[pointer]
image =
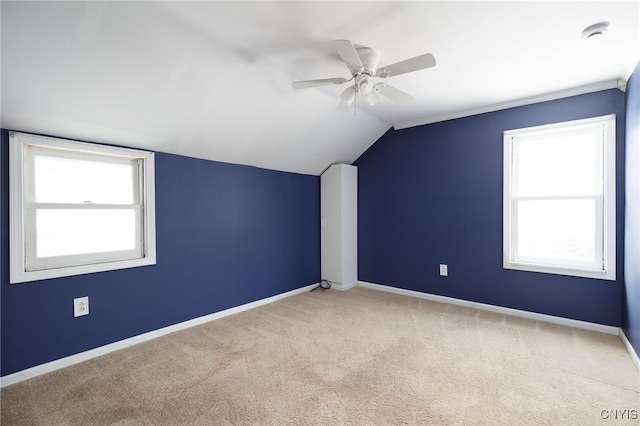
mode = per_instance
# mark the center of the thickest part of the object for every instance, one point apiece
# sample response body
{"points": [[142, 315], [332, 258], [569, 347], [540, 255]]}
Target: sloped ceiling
{"points": [[213, 79]]}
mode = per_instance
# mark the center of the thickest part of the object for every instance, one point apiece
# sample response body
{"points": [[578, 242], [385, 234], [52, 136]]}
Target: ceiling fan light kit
{"points": [[363, 63], [373, 97]]}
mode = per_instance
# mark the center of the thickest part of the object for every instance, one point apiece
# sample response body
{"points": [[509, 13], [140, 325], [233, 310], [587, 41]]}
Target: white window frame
{"points": [[24, 266], [606, 269]]}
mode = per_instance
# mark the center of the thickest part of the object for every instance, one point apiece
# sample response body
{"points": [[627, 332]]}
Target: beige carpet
{"points": [[359, 357]]}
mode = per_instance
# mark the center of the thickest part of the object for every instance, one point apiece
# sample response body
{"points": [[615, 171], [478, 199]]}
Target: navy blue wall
{"points": [[631, 301], [433, 194], [226, 235]]}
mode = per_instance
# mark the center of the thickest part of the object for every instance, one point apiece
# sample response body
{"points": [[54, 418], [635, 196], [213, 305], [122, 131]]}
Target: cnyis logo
{"points": [[617, 414]]}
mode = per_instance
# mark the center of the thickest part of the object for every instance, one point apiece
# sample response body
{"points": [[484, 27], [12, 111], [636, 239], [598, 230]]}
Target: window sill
{"points": [[609, 275], [20, 276]]}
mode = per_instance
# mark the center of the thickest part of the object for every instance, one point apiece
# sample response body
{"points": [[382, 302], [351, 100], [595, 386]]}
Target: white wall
{"points": [[339, 225]]}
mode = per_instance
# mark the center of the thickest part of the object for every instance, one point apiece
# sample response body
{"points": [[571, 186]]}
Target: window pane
{"points": [[69, 180], [68, 232], [558, 164], [556, 229]]}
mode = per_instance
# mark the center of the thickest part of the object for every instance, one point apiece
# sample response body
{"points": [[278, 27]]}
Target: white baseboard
{"points": [[497, 309], [632, 352], [87, 355], [102, 350], [343, 286]]}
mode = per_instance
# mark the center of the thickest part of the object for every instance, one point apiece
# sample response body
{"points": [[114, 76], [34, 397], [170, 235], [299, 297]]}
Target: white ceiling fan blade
{"points": [[409, 65], [348, 54], [315, 83], [394, 94]]}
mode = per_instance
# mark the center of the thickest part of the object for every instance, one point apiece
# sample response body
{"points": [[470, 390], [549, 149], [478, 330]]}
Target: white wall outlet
{"points": [[444, 270], [81, 306]]}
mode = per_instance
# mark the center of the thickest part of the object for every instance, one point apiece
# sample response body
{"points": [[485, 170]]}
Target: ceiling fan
{"points": [[362, 62]]}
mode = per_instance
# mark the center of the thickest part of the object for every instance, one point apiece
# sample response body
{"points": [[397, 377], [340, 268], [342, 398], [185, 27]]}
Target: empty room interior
{"points": [[339, 213]]}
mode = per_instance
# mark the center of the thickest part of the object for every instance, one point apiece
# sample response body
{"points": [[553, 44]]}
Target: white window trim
{"points": [[17, 207], [608, 272]]}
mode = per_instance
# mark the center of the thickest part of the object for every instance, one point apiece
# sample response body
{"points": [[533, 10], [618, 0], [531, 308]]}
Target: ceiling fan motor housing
{"points": [[369, 58]]}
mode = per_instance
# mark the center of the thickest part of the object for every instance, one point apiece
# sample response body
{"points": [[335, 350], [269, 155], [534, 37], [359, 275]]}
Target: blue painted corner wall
{"points": [[433, 194], [229, 235], [226, 235], [631, 295]]}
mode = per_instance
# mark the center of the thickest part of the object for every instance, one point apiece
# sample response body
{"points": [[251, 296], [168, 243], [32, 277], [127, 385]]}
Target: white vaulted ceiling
{"points": [[213, 79]]}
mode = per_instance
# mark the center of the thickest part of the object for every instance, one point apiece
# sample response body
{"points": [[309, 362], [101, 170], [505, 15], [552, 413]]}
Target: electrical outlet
{"points": [[81, 306], [444, 270]]}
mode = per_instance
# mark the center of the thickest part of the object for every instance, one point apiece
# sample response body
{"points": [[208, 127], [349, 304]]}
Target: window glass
{"points": [[72, 180], [63, 232], [556, 229], [558, 164]]}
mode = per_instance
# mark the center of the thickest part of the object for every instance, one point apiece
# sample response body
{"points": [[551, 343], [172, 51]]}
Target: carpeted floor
{"points": [[359, 357]]}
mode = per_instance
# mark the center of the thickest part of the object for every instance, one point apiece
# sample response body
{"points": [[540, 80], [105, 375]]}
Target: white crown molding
{"points": [[622, 84], [48, 367], [581, 90]]}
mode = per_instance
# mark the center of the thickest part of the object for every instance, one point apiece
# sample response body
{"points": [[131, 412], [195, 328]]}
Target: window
{"points": [[78, 208], [559, 198]]}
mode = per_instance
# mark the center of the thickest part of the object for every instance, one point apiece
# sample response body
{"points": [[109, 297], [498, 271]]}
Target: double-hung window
{"points": [[78, 208], [559, 198]]}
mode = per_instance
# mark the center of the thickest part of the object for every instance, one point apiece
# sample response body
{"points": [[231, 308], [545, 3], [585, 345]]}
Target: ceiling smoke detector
{"points": [[595, 31]]}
